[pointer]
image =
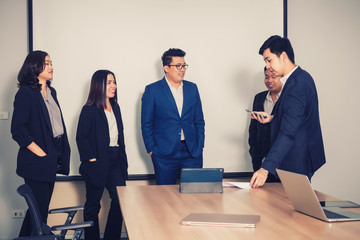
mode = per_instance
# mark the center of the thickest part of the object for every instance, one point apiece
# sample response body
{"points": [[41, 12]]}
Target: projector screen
{"points": [[221, 39]]}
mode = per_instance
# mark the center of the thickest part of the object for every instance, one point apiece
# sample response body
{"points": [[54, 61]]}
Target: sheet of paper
{"points": [[242, 185]]}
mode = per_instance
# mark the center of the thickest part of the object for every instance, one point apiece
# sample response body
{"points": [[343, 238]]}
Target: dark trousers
{"points": [[42, 192], [167, 169], [92, 205]]}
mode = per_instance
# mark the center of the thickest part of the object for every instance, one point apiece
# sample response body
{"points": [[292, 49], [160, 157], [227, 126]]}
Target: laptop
{"points": [[220, 220], [304, 200], [201, 180]]}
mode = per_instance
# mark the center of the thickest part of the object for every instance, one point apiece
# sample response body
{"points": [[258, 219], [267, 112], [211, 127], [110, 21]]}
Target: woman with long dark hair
{"points": [[100, 141], [38, 127]]}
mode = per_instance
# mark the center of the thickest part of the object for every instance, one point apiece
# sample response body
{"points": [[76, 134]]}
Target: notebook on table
{"points": [[201, 180], [220, 220], [304, 199]]}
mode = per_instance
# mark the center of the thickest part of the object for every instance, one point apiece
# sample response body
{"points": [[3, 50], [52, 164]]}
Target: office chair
{"points": [[41, 231]]}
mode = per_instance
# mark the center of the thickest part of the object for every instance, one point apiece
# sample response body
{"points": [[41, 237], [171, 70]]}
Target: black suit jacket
{"points": [[259, 134], [93, 141], [31, 123]]}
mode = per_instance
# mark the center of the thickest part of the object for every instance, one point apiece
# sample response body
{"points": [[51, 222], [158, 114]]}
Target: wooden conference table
{"points": [[155, 212]]}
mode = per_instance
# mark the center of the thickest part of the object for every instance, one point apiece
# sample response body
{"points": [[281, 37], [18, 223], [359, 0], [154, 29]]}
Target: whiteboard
{"points": [[221, 39]]}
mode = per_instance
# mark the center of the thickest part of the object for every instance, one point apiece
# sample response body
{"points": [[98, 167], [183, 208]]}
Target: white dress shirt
{"points": [[113, 130], [179, 100]]}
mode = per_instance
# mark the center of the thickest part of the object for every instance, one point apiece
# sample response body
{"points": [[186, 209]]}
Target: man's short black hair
{"points": [[278, 45], [169, 54]]}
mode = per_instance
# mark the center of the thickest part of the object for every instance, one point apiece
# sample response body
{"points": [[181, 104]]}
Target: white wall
{"points": [[221, 39], [326, 38], [13, 50]]}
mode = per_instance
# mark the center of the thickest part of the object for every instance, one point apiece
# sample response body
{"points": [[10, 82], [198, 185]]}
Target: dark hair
{"points": [[97, 93], [278, 45], [169, 54], [31, 69]]}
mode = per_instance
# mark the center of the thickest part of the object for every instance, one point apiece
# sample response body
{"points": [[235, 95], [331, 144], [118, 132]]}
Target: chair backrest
{"points": [[25, 191]]}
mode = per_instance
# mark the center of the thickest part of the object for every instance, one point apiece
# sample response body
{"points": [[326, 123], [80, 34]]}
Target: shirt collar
{"points": [[48, 91], [285, 78], [171, 86], [269, 98]]}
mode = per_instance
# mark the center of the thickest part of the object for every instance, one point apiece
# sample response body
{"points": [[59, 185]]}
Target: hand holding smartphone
{"points": [[255, 113]]}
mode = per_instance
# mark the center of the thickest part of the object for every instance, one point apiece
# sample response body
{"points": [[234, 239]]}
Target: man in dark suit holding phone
{"points": [[259, 134], [296, 139]]}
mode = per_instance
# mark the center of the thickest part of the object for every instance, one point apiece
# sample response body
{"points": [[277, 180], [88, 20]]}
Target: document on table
{"points": [[242, 185]]}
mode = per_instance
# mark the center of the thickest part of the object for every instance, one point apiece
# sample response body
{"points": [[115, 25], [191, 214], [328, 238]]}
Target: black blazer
{"points": [[93, 141], [259, 134], [259, 137], [31, 123]]}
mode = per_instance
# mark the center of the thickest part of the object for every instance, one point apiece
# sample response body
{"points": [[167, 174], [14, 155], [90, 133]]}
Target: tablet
{"points": [[219, 219]]}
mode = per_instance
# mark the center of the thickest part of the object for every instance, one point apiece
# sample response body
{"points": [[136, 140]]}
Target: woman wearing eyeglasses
{"points": [[38, 127], [100, 141]]}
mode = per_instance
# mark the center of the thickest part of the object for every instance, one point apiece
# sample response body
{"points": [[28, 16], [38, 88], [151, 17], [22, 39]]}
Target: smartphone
{"points": [[255, 113]]}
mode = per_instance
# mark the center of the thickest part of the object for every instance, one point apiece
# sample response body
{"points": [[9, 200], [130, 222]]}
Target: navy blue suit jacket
{"points": [[161, 123], [31, 123], [93, 141], [296, 138], [259, 134]]}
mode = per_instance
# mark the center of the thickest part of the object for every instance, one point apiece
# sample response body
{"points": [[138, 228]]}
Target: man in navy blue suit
{"points": [[172, 120], [296, 139]]}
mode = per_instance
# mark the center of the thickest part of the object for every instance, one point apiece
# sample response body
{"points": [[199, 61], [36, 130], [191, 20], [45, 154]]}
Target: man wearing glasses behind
{"points": [[172, 121], [259, 134]]}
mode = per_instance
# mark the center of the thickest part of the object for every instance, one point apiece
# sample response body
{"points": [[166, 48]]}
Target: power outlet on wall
{"points": [[4, 115], [18, 213]]}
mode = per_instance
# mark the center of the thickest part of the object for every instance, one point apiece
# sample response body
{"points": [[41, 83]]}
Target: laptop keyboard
{"points": [[330, 214]]}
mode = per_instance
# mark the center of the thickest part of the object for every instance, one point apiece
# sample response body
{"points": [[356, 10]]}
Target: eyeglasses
{"points": [[179, 66]]}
